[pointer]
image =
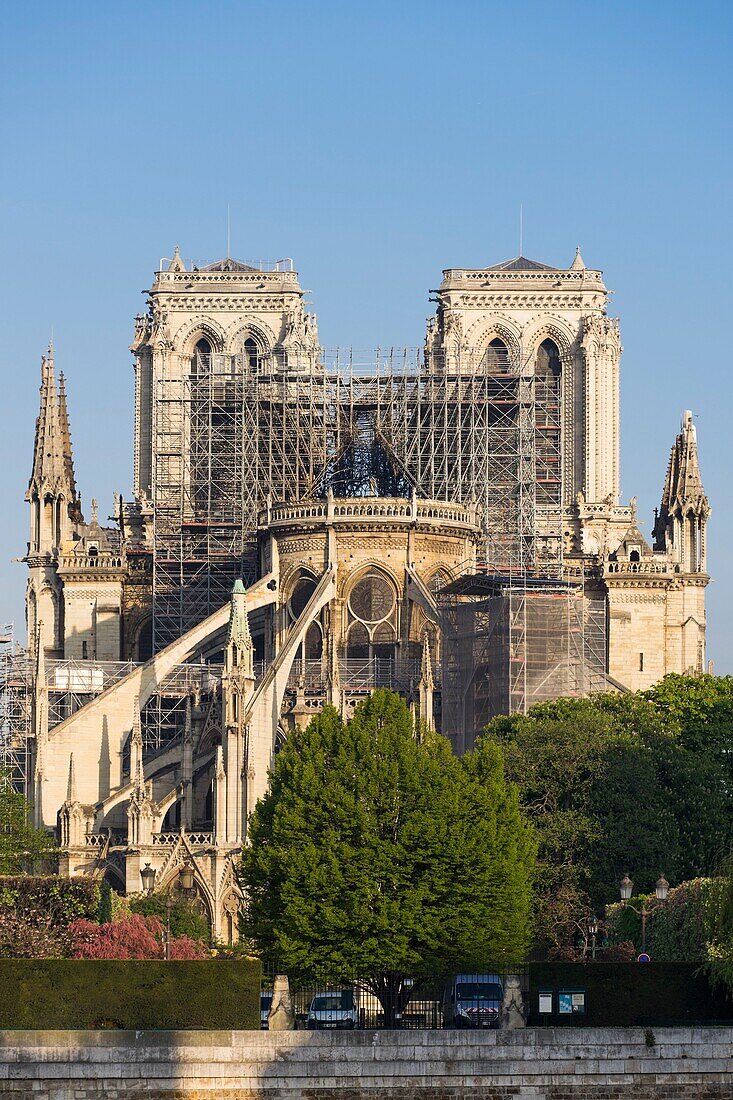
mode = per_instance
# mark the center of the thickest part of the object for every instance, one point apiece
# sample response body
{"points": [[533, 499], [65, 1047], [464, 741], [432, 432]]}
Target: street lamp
{"points": [[147, 876], [186, 877], [593, 929], [626, 888]]}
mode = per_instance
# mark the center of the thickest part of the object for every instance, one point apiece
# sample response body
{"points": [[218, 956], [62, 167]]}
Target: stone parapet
{"points": [[545, 1064]]}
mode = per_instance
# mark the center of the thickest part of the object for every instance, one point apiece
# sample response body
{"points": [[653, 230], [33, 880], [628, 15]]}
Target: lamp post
{"points": [[147, 877], [168, 907], [593, 929], [626, 887]]}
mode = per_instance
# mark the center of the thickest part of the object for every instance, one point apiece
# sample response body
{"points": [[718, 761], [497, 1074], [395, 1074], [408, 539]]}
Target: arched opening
{"points": [[201, 357], [497, 357], [357, 643], [35, 521], [383, 642], [251, 355], [548, 364], [634, 556], [303, 589], [32, 614], [313, 645], [548, 449], [47, 535], [58, 533]]}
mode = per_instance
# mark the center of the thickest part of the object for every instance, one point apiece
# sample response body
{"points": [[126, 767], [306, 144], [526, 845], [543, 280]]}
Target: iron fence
{"points": [[467, 1000]]}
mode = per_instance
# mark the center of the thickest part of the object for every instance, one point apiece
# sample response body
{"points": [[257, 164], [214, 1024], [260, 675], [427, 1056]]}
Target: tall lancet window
{"points": [[251, 355], [548, 373], [202, 357]]}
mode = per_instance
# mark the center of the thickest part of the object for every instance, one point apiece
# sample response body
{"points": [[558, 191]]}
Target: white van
{"points": [[473, 1000], [332, 1010]]}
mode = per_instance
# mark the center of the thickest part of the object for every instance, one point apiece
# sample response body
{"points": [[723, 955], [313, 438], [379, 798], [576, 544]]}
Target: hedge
{"points": [[71, 993], [679, 928], [60, 899], [633, 994]]}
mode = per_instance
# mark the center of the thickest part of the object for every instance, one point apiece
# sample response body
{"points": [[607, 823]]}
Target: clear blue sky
{"points": [[376, 144]]}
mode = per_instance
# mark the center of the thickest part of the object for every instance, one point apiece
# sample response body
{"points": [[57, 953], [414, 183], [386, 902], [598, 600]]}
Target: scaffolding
{"points": [[15, 710], [471, 426], [510, 642]]}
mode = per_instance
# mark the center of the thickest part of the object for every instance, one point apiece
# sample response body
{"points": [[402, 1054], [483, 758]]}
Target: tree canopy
{"points": [[622, 783], [376, 852], [21, 846]]}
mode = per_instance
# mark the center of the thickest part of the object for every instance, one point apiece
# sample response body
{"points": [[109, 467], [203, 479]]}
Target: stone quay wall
{"points": [[537, 1063]]}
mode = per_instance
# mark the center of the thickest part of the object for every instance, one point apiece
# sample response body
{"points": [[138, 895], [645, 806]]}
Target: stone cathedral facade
{"points": [[302, 526]]}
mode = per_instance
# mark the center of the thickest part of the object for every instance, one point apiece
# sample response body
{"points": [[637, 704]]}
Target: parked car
{"points": [[265, 1003], [473, 1000], [332, 1010]]}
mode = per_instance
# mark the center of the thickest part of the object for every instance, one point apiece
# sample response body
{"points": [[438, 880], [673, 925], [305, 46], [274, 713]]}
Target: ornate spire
{"points": [[137, 776], [683, 488], [65, 433], [578, 263], [53, 464], [71, 784], [239, 633], [426, 665]]}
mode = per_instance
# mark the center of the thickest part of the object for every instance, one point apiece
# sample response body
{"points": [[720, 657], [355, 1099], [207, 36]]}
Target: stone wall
{"points": [[541, 1064]]}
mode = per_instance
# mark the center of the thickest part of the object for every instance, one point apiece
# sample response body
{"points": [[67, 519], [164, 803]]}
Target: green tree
{"points": [[376, 853], [698, 712], [21, 846], [588, 774]]}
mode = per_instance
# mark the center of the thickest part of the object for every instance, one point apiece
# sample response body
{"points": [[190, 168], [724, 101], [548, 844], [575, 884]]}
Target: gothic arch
{"points": [[256, 330], [371, 565], [483, 331], [199, 328], [548, 328]]}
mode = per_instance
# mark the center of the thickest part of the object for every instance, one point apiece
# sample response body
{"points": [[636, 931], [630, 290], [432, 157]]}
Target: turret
{"points": [[52, 492], [680, 527]]}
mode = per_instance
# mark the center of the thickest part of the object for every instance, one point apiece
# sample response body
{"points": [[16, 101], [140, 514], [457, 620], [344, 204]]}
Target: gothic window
{"points": [[314, 643], [357, 644], [372, 610], [251, 355], [438, 581], [32, 614], [304, 588], [372, 599], [547, 424], [547, 365], [497, 357], [202, 357]]}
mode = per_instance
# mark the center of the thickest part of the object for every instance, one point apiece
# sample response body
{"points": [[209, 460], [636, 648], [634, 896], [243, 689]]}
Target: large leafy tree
{"points": [[698, 712], [587, 776], [639, 783], [21, 846], [378, 854]]}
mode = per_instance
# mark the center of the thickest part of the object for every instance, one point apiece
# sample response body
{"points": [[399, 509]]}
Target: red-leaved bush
{"points": [[134, 937]]}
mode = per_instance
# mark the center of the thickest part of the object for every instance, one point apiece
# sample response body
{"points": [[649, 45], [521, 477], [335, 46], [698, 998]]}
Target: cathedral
{"points": [[306, 525]]}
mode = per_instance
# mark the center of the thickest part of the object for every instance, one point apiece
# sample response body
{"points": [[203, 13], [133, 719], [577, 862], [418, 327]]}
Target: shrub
{"points": [[133, 937], [49, 897], [31, 936]]}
